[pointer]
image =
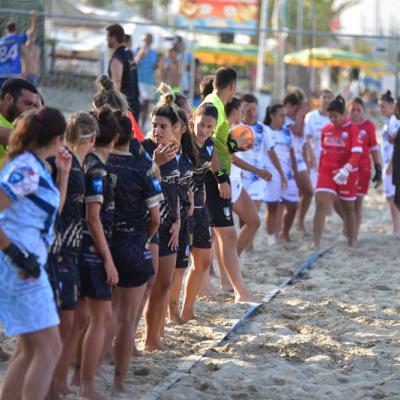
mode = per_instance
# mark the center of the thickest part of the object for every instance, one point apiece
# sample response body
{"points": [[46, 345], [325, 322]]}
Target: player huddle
{"points": [[109, 231]]}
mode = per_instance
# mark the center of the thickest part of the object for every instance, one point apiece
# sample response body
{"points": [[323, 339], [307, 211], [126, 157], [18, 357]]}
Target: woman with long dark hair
{"points": [[27, 306]]}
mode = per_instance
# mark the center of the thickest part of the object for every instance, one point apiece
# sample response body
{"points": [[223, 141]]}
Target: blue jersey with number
{"points": [[10, 55]]}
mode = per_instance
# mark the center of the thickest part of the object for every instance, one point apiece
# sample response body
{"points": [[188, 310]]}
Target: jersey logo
{"points": [[15, 177], [97, 185], [210, 150], [362, 133], [334, 141], [156, 185], [345, 135]]}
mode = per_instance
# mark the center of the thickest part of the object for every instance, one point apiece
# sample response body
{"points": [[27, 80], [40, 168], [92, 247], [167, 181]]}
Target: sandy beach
{"points": [[333, 334]]}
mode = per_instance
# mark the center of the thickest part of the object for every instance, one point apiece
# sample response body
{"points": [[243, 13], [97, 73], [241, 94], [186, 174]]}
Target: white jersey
{"points": [[389, 130], [313, 123], [282, 143], [298, 144]]}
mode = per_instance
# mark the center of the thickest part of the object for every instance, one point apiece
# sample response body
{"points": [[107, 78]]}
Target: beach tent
{"points": [[229, 54]]}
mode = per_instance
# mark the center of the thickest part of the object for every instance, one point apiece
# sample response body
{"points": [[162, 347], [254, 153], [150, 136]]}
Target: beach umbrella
{"points": [[229, 54], [320, 57]]}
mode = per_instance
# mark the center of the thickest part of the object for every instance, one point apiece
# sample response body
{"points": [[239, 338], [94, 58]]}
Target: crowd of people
{"points": [[101, 226]]}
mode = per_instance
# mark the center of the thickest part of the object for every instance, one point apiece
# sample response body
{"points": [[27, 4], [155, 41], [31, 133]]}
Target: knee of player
{"points": [[50, 347]]}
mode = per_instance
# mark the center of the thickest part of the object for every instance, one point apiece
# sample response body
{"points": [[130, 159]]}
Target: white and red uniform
{"points": [[340, 145], [368, 136]]}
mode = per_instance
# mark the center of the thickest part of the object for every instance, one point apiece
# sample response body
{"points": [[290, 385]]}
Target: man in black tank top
{"points": [[122, 68]]}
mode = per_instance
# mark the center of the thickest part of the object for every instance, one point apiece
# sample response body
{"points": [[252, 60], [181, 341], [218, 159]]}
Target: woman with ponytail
{"points": [[281, 191], [342, 149], [27, 306], [80, 136], [165, 122], [98, 272]]}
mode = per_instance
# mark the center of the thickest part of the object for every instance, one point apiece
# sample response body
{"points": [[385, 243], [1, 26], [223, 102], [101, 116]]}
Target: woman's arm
{"points": [[175, 227], [277, 164], [262, 173], [63, 163], [154, 221], [99, 239]]}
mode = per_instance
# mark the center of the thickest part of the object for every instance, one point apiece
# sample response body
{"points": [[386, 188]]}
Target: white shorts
{"points": [[301, 164], [236, 187], [275, 193], [388, 186], [314, 177], [147, 92], [255, 187]]}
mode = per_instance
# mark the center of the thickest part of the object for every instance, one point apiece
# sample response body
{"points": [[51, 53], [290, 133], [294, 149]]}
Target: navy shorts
{"points": [[132, 259], [219, 210], [93, 274], [165, 235], [52, 272], [200, 235], [182, 257], [69, 279]]}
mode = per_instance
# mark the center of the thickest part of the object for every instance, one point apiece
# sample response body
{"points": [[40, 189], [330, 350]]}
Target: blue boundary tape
{"points": [[190, 362]]}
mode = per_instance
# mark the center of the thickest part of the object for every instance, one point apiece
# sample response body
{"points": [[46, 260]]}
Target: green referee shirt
{"points": [[5, 124], [221, 132]]}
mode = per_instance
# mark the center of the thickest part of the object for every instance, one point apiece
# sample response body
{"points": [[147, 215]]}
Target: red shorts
{"points": [[364, 176], [325, 183]]}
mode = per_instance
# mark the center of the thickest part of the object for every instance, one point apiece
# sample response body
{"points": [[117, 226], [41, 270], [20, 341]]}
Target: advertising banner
{"points": [[224, 15]]}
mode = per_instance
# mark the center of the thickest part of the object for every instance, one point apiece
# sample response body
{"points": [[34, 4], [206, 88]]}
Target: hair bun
{"points": [[103, 82], [164, 88], [104, 114]]}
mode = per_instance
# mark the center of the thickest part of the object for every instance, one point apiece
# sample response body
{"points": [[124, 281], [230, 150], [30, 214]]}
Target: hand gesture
{"points": [[63, 160], [163, 154]]}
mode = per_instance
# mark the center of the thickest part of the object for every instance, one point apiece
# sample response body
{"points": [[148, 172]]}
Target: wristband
{"points": [[26, 261], [221, 176], [232, 145]]}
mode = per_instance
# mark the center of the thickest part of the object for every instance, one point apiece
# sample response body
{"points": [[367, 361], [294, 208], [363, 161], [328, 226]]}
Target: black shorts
{"points": [[132, 259], [93, 274], [182, 257], [219, 210], [69, 278], [200, 235], [165, 235], [52, 273]]}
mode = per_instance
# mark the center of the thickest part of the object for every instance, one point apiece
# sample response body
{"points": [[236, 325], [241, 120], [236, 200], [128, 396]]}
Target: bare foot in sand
{"points": [[175, 319], [91, 394], [188, 316], [135, 352], [156, 346], [66, 391], [245, 298]]}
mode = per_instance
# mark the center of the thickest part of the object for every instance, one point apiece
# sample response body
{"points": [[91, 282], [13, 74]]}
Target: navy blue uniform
{"points": [[134, 194], [64, 255], [98, 190], [168, 207], [200, 236], [184, 184]]}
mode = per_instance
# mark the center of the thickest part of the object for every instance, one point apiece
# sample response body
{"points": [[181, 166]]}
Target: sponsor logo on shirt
{"points": [[97, 185], [345, 135]]}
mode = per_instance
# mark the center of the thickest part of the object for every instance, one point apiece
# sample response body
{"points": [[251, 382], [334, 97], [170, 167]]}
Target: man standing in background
{"points": [[123, 69], [10, 49], [147, 60]]}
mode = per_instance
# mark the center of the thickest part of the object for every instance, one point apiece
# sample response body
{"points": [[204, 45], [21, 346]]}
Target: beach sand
{"points": [[334, 334]]}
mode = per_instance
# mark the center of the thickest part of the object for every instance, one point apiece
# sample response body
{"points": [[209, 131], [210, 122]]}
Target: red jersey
{"points": [[368, 136], [340, 145]]}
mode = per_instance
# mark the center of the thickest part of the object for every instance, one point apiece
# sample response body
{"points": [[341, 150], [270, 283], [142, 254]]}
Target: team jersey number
{"points": [[8, 53]]}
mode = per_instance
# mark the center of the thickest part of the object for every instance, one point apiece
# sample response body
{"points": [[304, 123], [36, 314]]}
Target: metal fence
{"points": [[74, 52]]}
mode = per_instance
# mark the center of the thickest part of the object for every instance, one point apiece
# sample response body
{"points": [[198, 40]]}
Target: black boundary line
{"points": [[190, 362]]}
